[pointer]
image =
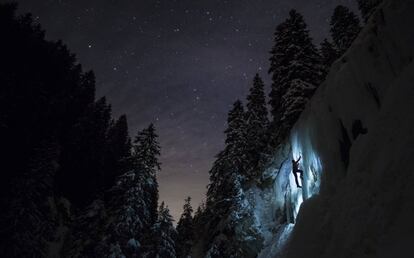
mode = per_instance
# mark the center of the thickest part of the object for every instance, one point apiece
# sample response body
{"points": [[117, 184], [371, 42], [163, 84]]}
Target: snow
{"points": [[361, 204], [356, 199], [276, 247], [115, 251], [61, 229], [133, 244]]}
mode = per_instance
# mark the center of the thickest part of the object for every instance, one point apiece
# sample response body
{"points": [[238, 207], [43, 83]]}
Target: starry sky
{"points": [[178, 63]]}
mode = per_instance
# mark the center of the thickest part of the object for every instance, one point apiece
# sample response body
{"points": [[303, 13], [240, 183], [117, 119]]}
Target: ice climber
{"points": [[295, 170]]}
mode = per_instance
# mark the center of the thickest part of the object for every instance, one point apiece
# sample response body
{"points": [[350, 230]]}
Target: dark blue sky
{"points": [[179, 64]]}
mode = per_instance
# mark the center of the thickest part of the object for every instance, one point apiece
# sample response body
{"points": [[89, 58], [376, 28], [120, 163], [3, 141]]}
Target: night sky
{"points": [[178, 63]]}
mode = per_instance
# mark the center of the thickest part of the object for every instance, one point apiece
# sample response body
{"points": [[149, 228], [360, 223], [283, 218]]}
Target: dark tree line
{"points": [[66, 162], [127, 221], [46, 99], [54, 134]]}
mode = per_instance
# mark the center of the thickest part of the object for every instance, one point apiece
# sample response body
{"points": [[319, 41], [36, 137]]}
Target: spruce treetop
{"points": [[188, 209], [256, 127], [164, 214], [185, 230], [345, 27], [256, 102], [147, 149], [186, 216], [234, 153], [164, 234], [293, 57], [236, 125]]}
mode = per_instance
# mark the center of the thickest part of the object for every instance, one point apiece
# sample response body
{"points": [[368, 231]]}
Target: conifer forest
{"points": [[206, 129]]}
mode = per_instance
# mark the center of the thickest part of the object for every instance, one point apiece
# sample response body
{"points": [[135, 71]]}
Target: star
{"points": [[179, 64]]}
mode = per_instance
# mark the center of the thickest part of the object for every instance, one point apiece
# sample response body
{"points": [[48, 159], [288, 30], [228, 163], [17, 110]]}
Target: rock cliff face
{"points": [[355, 140]]}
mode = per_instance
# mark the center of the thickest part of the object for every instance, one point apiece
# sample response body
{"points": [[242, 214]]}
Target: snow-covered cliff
{"points": [[357, 133], [355, 140]]}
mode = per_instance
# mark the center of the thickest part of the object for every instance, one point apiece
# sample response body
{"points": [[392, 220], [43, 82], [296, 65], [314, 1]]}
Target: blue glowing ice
{"points": [[311, 165]]}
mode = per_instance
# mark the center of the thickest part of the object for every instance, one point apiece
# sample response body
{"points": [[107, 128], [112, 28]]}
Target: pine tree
{"points": [[220, 238], [235, 149], [54, 141], [223, 247], [185, 231], [329, 55], [345, 27], [293, 58], [200, 220], [218, 250], [134, 200], [31, 218], [86, 93], [146, 151], [223, 193], [216, 195], [88, 232], [164, 235], [85, 154], [256, 126], [130, 217], [367, 7], [118, 156], [294, 101], [115, 251], [232, 160]]}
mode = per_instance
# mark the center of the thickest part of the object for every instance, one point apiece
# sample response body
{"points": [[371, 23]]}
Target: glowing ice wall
{"points": [[311, 165], [275, 208]]}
